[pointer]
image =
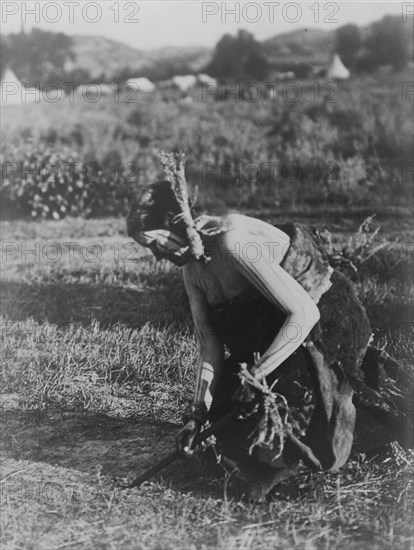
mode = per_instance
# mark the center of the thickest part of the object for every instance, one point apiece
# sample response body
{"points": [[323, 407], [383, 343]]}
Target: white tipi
{"points": [[10, 77], [337, 70], [10, 88], [13, 92]]}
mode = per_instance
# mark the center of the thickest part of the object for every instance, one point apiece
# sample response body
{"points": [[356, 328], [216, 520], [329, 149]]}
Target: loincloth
{"points": [[315, 380]]}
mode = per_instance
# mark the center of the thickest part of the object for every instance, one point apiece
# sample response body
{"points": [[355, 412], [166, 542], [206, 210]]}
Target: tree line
{"points": [[386, 43], [39, 56]]}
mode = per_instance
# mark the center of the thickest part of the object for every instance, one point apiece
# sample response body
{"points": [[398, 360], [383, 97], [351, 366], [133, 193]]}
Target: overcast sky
{"points": [[152, 24]]}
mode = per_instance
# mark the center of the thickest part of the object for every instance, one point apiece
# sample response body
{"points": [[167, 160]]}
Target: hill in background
{"points": [[41, 57], [302, 46], [103, 57]]}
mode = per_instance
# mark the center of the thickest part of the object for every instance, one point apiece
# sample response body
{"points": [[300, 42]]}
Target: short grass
{"points": [[98, 363]]}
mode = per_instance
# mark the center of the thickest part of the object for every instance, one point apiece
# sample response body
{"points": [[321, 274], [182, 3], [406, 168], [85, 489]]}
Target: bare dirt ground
{"points": [[85, 441]]}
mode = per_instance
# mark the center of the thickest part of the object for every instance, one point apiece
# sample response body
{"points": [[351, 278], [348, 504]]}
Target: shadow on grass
{"points": [[63, 303], [95, 443], [85, 441], [392, 316]]}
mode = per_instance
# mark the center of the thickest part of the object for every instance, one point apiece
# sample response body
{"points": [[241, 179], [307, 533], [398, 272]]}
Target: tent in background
{"points": [[337, 70], [13, 92], [185, 82], [140, 84]]}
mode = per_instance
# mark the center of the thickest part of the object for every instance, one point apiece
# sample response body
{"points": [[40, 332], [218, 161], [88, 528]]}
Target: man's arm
{"points": [[285, 292], [211, 351]]}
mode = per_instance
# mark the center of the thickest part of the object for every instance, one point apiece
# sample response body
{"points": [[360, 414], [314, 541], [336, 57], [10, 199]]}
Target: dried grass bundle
{"points": [[173, 165]]}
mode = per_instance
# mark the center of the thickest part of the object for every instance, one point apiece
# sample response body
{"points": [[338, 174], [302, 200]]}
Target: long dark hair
{"points": [[155, 208]]}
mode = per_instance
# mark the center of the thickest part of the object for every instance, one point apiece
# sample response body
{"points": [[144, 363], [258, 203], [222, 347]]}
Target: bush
{"points": [[47, 183], [43, 183]]}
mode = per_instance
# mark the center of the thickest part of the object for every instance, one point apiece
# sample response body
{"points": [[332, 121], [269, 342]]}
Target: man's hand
{"points": [[195, 415], [186, 435], [245, 399]]}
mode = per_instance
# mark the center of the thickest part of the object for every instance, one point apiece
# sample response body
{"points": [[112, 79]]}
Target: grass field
{"points": [[98, 363], [312, 144]]}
